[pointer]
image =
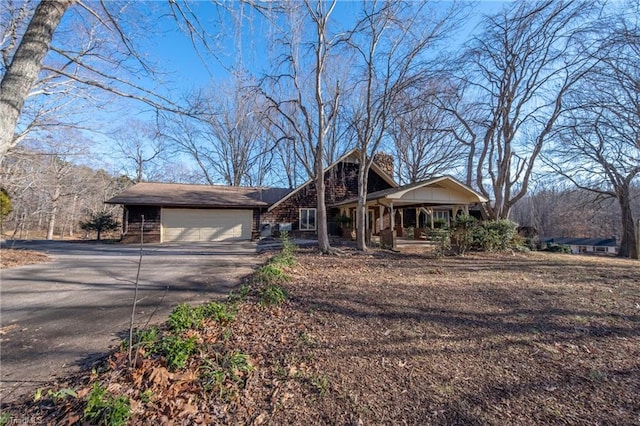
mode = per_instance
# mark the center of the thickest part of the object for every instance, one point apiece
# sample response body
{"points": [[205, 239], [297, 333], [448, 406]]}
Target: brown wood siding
{"points": [[341, 184], [133, 218]]}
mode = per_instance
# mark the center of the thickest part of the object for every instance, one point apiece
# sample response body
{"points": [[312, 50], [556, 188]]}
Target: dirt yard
{"points": [[406, 338]]}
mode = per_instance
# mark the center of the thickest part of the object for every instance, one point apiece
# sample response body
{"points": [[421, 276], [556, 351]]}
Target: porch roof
{"points": [[443, 190]]}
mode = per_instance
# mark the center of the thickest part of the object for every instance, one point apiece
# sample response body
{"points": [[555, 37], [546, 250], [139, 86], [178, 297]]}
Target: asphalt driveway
{"points": [[59, 316]]}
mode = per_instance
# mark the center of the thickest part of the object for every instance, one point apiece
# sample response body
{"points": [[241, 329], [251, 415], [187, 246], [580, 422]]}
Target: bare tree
{"points": [[236, 142], [93, 51], [557, 209], [599, 146], [599, 149], [425, 138], [301, 95], [50, 190], [391, 41], [519, 71], [21, 71], [140, 150]]}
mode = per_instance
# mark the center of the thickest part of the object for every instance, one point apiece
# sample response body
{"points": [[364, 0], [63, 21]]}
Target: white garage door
{"points": [[206, 225]]}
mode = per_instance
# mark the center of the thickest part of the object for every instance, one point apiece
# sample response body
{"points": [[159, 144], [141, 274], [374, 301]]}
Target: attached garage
{"points": [[206, 224], [168, 212]]}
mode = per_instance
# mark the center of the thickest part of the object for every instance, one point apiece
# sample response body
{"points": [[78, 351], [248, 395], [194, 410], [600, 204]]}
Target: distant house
{"points": [[586, 245], [178, 212]]}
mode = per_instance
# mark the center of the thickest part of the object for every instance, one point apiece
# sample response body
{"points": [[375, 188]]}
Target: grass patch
{"points": [[273, 295], [177, 350], [225, 375], [185, 317], [271, 274]]}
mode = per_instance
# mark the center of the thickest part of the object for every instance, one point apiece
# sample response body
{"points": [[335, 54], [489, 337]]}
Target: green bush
{"points": [[495, 235], [218, 312], [288, 247], [442, 237], [105, 409], [185, 317], [463, 231], [439, 223], [226, 374], [147, 339], [558, 248], [100, 222]]}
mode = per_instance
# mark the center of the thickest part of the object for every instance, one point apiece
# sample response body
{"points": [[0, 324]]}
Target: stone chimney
{"points": [[384, 161]]}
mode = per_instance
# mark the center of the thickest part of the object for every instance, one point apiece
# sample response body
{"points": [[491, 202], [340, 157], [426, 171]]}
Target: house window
{"points": [[441, 215], [601, 249], [307, 219]]}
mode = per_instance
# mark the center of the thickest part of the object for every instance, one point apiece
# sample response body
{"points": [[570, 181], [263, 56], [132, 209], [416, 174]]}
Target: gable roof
{"points": [[377, 169], [404, 194], [187, 195]]}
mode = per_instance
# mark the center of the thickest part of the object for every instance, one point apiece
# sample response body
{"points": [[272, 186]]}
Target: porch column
{"points": [[401, 218], [381, 211], [465, 208], [417, 217], [431, 216], [392, 221]]}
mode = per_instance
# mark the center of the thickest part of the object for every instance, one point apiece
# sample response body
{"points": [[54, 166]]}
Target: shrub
{"points": [[185, 317], [5, 205], [288, 246], [99, 222], [442, 237], [218, 312], [558, 248], [105, 409], [464, 228], [147, 339], [495, 235], [439, 223]]}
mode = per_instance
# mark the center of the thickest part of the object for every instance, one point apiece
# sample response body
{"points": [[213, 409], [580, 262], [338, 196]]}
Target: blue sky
{"points": [[184, 69], [174, 53]]}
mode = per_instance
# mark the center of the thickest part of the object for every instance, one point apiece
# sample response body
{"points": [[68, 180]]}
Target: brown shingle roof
{"points": [[171, 194]]}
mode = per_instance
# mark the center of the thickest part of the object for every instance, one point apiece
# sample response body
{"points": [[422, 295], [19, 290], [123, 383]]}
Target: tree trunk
{"points": [[54, 212], [52, 222], [361, 210], [321, 215], [23, 71], [628, 246]]}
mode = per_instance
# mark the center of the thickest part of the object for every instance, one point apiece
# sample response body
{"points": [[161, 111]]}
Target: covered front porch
{"points": [[419, 206]]}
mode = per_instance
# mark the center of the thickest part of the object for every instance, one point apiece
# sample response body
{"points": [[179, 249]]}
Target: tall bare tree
{"points": [[391, 41], [302, 94], [23, 62], [92, 50], [599, 147], [425, 137], [140, 150], [519, 71], [236, 142]]}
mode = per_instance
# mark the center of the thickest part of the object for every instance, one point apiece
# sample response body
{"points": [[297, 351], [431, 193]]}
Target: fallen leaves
{"points": [[406, 338], [11, 258]]}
